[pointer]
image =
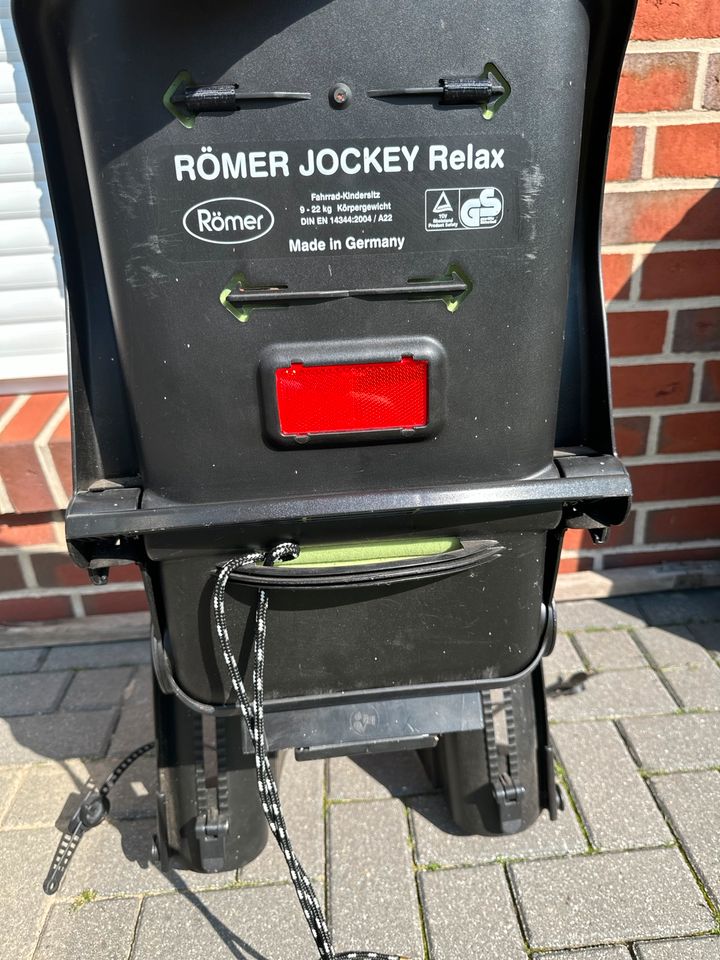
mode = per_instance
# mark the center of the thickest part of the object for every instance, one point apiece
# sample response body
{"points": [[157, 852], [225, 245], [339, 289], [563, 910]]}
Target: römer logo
{"points": [[228, 220]]}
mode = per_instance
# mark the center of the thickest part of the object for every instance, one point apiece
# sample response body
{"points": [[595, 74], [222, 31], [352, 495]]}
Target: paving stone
{"points": [[21, 920], [626, 693], [27, 693], [58, 736], [301, 794], [696, 685], [590, 953], [707, 634], [46, 793], [21, 661], [699, 948], [10, 778], [609, 650], [680, 606], [140, 689], [599, 614], [675, 743], [457, 928], [609, 897], [135, 727], [50, 792], [114, 859], [614, 802], [692, 801], [251, 923], [377, 777], [563, 661], [25, 858], [104, 928], [93, 689], [79, 656], [439, 841], [373, 902], [671, 648]]}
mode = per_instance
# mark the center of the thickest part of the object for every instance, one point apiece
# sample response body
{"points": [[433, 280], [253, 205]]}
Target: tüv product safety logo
{"points": [[228, 220]]}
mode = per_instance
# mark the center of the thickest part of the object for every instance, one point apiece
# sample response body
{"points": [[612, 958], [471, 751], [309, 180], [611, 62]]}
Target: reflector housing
{"points": [[352, 397]]}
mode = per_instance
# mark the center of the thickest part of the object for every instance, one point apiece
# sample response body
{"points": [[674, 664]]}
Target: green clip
{"points": [[451, 300], [183, 79], [242, 312], [492, 72]]}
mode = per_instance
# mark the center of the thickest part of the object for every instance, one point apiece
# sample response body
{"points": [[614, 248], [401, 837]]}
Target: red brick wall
{"points": [[661, 260], [662, 280], [38, 581]]}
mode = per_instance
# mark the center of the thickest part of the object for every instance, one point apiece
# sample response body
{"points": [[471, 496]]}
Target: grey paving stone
{"points": [[699, 948], [301, 794], [625, 693], [134, 728], [589, 953], [50, 792], [457, 928], [57, 736], [114, 859], [614, 801], [103, 929], [609, 650], [377, 777], [22, 694], [93, 689], [707, 634], [140, 689], [609, 897], [251, 923], [680, 606], [599, 614], [21, 920], [82, 655], [696, 685], [675, 743], [671, 648], [25, 857], [10, 778], [372, 898], [21, 661], [46, 792], [439, 841], [692, 801], [563, 661]]}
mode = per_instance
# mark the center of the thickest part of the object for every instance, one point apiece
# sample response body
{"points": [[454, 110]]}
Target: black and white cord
{"points": [[254, 716]]}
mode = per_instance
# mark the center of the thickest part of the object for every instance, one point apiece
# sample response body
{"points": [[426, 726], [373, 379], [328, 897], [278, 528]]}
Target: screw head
{"points": [[340, 96]]}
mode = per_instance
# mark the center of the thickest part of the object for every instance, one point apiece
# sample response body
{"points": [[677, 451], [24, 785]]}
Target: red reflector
{"points": [[350, 397]]}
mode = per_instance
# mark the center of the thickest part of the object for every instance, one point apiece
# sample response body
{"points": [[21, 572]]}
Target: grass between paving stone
{"points": [[648, 774], [515, 901], [85, 896], [416, 871], [562, 775]]}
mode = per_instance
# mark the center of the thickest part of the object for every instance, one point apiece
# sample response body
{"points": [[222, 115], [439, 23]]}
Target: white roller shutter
{"points": [[32, 311]]}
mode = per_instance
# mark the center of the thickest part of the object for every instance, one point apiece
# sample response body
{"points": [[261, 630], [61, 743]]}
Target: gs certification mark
{"points": [[463, 208]]}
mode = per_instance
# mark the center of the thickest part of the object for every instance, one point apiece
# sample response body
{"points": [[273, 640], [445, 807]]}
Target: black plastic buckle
{"points": [[211, 832], [507, 794]]}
